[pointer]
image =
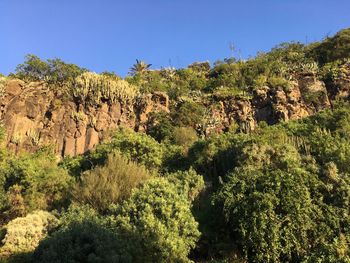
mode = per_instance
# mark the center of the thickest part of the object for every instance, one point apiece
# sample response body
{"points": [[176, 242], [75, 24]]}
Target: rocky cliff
{"points": [[34, 115]]}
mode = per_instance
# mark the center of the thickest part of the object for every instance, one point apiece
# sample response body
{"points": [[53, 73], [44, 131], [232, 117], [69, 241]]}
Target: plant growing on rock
{"points": [[52, 71], [3, 81], [92, 88]]}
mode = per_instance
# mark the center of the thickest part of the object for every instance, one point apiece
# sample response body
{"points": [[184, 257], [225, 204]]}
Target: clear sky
{"points": [[109, 35]]}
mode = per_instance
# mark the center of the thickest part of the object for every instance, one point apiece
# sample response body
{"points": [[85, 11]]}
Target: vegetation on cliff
{"points": [[275, 193]]}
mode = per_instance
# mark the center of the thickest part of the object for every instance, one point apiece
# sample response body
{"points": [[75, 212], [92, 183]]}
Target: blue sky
{"points": [[109, 35]]}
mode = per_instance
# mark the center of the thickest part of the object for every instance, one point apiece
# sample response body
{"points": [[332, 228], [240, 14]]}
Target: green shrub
{"points": [[222, 93], [188, 114], [108, 184], [273, 199], [337, 251], [277, 82], [184, 136], [160, 126], [189, 183], [43, 184], [84, 236], [332, 48], [24, 233], [137, 147], [160, 221]]}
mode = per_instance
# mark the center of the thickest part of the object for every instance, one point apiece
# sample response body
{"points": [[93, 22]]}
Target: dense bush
{"points": [[184, 136], [83, 237], [24, 233], [189, 183], [332, 48], [108, 184], [154, 225], [160, 126], [188, 114], [42, 184], [272, 207], [137, 147], [160, 220]]}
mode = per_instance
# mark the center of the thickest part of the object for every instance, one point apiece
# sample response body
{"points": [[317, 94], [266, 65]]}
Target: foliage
{"points": [[184, 136], [2, 132], [24, 233], [272, 205], [278, 82], [222, 93], [160, 126], [137, 147], [153, 225], [83, 237], [54, 71], [43, 185], [161, 221], [332, 48], [139, 68], [189, 183], [108, 184], [188, 114]]}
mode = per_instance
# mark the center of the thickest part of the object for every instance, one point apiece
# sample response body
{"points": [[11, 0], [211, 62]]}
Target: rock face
{"points": [[34, 115], [303, 98]]}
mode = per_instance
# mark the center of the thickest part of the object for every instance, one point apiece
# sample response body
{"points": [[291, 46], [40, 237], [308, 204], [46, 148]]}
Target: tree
{"points": [[33, 69], [159, 220], [53, 71], [139, 68], [276, 207]]}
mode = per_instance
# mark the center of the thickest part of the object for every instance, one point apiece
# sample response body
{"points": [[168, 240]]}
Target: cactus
{"points": [[3, 81], [91, 88], [311, 67], [34, 137]]}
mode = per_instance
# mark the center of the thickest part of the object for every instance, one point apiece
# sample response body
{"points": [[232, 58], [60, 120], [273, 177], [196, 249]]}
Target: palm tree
{"points": [[140, 67]]}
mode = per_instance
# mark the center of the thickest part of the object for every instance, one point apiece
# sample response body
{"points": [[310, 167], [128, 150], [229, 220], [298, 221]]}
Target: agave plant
{"points": [[311, 67], [140, 67]]}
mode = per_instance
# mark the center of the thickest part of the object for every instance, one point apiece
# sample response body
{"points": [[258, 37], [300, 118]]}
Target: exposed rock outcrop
{"points": [[34, 115], [303, 98]]}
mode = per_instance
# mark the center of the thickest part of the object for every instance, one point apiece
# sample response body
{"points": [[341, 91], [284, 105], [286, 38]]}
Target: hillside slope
{"points": [[34, 115]]}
